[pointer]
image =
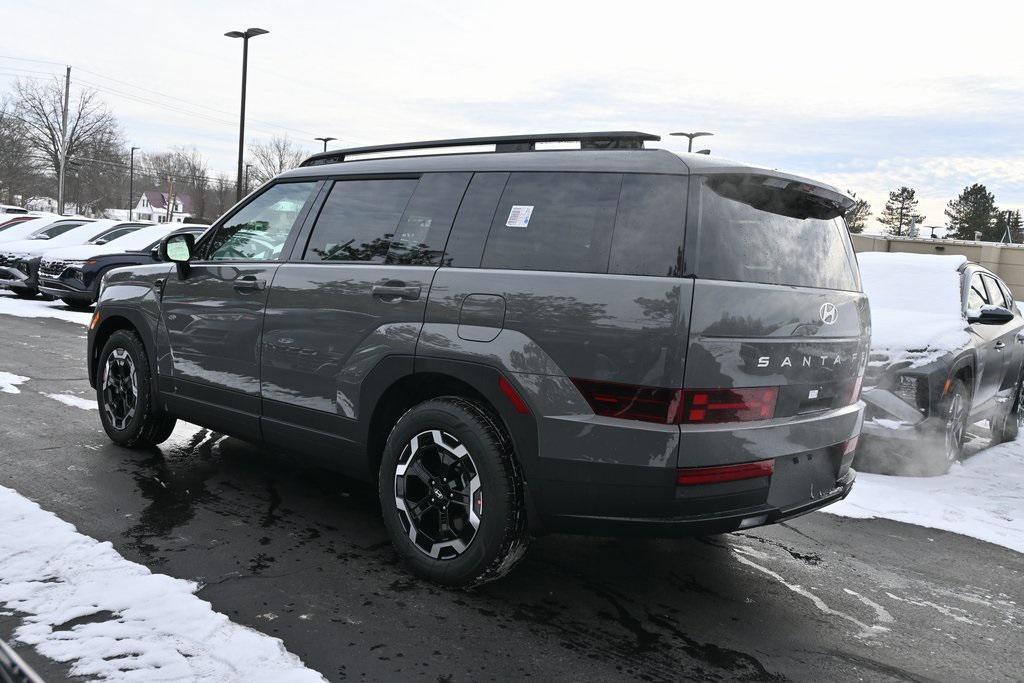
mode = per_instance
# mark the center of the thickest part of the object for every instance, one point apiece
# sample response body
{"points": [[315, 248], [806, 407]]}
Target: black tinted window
{"points": [[649, 226], [554, 221], [466, 243], [755, 229], [423, 230], [359, 219]]}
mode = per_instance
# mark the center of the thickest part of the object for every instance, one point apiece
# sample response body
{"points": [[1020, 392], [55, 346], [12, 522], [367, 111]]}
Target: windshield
{"points": [[141, 238], [758, 229]]}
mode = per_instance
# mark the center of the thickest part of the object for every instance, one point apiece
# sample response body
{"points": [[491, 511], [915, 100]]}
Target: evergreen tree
{"points": [[857, 216], [1009, 223], [974, 211], [900, 216]]}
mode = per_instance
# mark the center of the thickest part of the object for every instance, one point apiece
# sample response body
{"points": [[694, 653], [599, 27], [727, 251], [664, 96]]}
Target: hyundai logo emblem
{"points": [[828, 313]]}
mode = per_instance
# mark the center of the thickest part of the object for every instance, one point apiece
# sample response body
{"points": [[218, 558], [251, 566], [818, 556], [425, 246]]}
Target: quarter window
{"points": [[554, 221], [649, 226], [259, 231]]}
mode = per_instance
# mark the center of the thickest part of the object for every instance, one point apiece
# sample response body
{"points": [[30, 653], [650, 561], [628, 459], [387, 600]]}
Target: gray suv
{"points": [[608, 340]]}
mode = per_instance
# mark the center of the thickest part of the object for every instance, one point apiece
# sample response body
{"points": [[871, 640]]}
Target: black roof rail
{"points": [[504, 143]]}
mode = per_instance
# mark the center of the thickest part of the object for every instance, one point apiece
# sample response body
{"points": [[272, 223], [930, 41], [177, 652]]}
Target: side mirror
{"points": [[178, 250], [990, 315]]}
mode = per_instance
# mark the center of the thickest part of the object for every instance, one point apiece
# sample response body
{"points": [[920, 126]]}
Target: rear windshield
{"points": [[757, 229]]}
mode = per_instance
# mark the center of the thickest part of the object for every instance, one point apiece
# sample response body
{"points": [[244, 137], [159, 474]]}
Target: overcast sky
{"points": [[865, 95]]}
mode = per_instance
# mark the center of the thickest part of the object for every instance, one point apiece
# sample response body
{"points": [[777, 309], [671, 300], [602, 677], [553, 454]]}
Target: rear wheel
{"points": [[451, 494], [125, 397], [1008, 424], [76, 304]]}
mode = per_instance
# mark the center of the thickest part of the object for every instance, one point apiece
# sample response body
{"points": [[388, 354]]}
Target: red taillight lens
{"points": [[851, 445], [692, 476], [704, 406], [855, 394], [678, 406], [630, 402]]}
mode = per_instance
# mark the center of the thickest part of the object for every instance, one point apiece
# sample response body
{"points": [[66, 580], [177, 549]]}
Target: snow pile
{"points": [[9, 382], [915, 305], [130, 624], [983, 497], [74, 401], [37, 308]]}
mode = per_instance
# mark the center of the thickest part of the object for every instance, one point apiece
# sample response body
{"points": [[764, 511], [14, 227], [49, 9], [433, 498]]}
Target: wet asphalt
{"points": [[301, 554]]}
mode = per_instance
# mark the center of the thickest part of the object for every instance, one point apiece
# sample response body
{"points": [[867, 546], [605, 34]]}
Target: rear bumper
{"points": [[701, 524]]}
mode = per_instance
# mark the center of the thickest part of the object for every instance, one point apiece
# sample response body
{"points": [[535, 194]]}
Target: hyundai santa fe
{"points": [[610, 340]]}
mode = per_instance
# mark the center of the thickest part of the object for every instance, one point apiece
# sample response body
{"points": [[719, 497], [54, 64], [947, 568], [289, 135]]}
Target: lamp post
{"points": [[325, 141], [131, 182], [691, 136], [245, 36]]}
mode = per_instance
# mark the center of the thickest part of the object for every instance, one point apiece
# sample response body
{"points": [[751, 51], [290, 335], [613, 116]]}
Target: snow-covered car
{"points": [[19, 260], [10, 209], [17, 229], [947, 344], [73, 274]]}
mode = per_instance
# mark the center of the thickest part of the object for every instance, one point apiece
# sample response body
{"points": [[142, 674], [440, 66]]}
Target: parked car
{"points": [[10, 220], [73, 274], [6, 209], [947, 347], [609, 340], [19, 260], [44, 226]]}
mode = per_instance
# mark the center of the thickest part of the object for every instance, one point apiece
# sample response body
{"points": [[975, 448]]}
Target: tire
{"points": [[448, 459], [954, 409], [1006, 425], [76, 304], [24, 293], [124, 392]]}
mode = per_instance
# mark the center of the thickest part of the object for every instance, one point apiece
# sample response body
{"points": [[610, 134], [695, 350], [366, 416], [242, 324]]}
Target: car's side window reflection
{"points": [[976, 296], [260, 230]]}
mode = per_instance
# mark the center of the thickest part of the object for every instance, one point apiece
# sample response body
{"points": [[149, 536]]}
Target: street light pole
{"points": [[245, 36], [131, 182], [325, 141], [691, 136]]}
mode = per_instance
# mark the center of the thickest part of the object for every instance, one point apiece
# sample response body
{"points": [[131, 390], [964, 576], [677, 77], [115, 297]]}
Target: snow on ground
{"points": [[129, 624], [983, 497], [74, 401], [9, 382], [37, 308]]}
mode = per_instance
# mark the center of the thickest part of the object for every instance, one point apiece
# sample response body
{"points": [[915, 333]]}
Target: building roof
{"points": [[158, 200]]}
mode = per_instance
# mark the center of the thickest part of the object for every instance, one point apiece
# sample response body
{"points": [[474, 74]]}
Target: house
{"points": [[152, 206]]}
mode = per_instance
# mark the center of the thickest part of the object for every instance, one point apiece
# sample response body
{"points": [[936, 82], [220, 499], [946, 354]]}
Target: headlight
{"points": [[913, 389]]}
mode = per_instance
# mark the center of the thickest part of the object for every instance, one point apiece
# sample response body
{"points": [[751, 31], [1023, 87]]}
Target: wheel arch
{"points": [[111, 322]]}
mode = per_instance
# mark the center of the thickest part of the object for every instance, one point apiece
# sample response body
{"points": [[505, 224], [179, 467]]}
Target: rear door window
{"points": [[649, 226], [554, 221], [758, 229], [359, 219]]}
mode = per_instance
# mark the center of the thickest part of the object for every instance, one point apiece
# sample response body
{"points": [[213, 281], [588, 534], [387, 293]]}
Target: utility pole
{"points": [[170, 200], [63, 143], [131, 184]]}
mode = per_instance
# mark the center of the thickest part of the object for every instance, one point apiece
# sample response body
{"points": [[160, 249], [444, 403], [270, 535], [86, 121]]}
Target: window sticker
{"points": [[519, 216]]}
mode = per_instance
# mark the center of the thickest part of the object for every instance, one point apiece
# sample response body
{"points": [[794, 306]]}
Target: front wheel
{"points": [[1007, 425], [76, 304], [955, 409], [451, 493], [125, 397]]}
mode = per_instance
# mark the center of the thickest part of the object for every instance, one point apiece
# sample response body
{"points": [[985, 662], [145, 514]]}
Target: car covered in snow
{"points": [[19, 260], [73, 274], [947, 343]]}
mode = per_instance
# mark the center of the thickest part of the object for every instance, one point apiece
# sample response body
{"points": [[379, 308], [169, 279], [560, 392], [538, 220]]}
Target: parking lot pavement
{"points": [[301, 554]]}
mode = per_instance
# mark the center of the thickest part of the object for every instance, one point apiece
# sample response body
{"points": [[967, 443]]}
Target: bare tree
{"points": [[19, 171], [274, 156], [193, 180], [223, 194], [91, 126]]}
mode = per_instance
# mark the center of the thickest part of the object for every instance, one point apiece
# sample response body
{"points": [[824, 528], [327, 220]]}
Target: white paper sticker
{"points": [[519, 216]]}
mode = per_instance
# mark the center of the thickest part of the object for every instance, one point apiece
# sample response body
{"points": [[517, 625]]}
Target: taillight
{"points": [[728, 405], [850, 445], [678, 406], [692, 476], [855, 394]]}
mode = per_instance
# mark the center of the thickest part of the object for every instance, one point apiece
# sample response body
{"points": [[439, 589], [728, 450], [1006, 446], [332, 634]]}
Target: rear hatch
{"points": [[778, 316]]}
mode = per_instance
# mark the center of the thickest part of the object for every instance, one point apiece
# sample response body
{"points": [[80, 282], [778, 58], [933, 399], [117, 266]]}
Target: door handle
{"points": [[393, 291], [1000, 345], [249, 283]]}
